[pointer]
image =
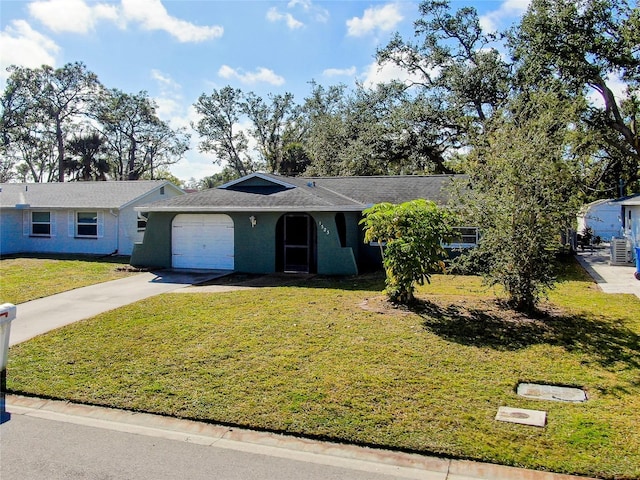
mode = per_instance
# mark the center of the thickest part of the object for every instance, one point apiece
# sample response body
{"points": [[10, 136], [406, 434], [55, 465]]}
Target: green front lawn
{"points": [[332, 360], [28, 278]]}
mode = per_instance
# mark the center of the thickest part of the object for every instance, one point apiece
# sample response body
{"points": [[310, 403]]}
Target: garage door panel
{"points": [[203, 241]]}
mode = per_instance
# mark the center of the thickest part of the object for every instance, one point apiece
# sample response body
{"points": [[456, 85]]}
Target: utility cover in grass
{"points": [[535, 418], [552, 392]]}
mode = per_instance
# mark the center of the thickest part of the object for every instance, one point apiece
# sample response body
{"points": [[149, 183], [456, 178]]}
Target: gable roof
{"points": [[117, 194], [267, 192]]}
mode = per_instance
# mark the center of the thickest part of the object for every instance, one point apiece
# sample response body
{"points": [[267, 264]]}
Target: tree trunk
{"points": [[60, 142]]}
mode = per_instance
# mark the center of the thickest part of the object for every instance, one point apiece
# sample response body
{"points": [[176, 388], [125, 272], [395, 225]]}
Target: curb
{"points": [[405, 465]]}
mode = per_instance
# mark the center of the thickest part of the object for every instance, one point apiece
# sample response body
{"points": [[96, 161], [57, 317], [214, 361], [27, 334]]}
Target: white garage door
{"points": [[202, 241]]}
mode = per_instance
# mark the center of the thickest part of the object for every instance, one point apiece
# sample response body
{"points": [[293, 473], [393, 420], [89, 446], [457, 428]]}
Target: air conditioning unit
{"points": [[620, 252]]}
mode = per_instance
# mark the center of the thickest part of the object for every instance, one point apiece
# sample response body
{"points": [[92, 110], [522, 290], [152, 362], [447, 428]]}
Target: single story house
{"points": [[76, 217], [604, 217], [264, 223], [631, 221]]}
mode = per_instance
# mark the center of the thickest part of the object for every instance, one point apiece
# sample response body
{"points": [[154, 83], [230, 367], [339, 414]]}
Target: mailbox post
{"points": [[7, 315]]}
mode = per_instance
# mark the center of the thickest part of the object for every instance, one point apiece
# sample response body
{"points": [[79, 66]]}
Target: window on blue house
{"points": [[142, 221], [87, 224], [41, 224]]}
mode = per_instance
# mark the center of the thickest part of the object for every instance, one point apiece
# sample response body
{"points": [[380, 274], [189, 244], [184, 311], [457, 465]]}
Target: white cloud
{"points": [[71, 15], [170, 101], [81, 16], [165, 81], [384, 18], [306, 4], [169, 110], [273, 15], [261, 75], [23, 46], [318, 13], [152, 15], [387, 72], [338, 72], [509, 11]]}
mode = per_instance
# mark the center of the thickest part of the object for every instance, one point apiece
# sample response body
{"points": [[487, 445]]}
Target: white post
{"points": [[7, 315]]}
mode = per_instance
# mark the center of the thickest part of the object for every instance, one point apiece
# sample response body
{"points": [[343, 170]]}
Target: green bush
{"points": [[412, 234]]}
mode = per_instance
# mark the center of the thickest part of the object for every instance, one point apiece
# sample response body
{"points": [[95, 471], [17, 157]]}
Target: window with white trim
{"points": [[86, 224], [142, 221], [40, 224], [464, 237]]}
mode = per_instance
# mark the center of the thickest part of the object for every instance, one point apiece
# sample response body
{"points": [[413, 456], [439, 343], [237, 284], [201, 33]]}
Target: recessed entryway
{"points": [[296, 240]]}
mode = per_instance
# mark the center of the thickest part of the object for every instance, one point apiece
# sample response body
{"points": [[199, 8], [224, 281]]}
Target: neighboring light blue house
{"points": [[631, 220], [604, 217], [264, 223], [96, 218]]}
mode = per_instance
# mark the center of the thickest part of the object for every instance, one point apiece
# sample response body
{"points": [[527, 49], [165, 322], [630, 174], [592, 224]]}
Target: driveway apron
{"points": [[40, 316]]}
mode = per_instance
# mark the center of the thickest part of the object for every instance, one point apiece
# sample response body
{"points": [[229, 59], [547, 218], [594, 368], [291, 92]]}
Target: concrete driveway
{"points": [[45, 314], [610, 278]]}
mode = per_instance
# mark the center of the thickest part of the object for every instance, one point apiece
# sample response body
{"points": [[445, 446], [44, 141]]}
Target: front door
{"points": [[296, 242]]}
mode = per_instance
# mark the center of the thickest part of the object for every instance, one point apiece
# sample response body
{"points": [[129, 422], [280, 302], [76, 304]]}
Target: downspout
{"points": [[117, 231]]}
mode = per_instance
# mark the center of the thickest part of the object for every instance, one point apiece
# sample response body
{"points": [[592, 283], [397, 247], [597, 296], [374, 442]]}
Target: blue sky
{"points": [[178, 49]]}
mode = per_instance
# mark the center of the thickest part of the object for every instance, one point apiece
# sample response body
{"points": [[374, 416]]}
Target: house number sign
{"points": [[323, 228]]}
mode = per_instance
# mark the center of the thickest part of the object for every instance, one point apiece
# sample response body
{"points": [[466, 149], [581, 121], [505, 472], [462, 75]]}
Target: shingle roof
{"points": [[629, 201], [75, 194], [393, 189], [312, 194]]}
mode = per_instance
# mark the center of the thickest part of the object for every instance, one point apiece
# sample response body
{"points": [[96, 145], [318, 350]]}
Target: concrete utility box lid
{"points": [[551, 392], [535, 418]]}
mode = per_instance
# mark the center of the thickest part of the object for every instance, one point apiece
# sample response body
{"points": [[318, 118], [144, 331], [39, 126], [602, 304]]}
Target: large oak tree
{"points": [[44, 102]]}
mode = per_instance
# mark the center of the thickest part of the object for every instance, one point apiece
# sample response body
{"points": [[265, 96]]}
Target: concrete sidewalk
{"points": [[610, 278], [45, 314]]}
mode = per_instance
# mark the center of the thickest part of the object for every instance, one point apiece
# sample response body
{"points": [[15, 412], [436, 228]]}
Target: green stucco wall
{"points": [[255, 247], [333, 259], [155, 249]]}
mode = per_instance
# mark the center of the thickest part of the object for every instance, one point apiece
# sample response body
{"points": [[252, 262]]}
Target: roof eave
{"points": [[165, 183], [49, 207], [209, 209], [262, 176]]}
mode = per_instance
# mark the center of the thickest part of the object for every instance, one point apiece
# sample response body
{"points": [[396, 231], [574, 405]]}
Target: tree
{"points": [[137, 139], [218, 126], [162, 173], [460, 79], [369, 131], [520, 192], [87, 160], [47, 103], [161, 147], [275, 127], [588, 45], [6, 166], [412, 233], [31, 150], [217, 179], [324, 138]]}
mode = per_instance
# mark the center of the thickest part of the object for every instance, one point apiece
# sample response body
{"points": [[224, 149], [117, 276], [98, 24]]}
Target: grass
{"points": [[332, 360], [28, 278]]}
